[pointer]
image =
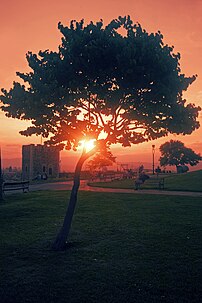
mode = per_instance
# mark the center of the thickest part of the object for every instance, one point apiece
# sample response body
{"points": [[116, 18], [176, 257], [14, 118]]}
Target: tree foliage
{"points": [[100, 161], [100, 84], [175, 153], [114, 83]]}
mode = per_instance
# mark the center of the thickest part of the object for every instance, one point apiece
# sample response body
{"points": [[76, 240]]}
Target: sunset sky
{"points": [[32, 26]]}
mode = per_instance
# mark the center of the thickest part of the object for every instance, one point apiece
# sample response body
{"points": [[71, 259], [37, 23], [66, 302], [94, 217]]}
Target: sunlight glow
{"points": [[88, 144]]}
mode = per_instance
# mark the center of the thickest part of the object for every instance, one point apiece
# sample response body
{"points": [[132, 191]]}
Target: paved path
{"points": [[83, 186]]}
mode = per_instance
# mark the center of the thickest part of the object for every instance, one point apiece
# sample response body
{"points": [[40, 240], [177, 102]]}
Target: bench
{"points": [[158, 182], [8, 186], [103, 177], [112, 177]]}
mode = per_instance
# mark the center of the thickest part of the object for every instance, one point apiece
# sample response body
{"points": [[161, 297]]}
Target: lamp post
{"points": [[1, 180], [153, 152]]}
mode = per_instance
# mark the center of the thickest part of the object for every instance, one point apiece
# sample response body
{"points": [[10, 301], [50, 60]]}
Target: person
{"points": [[140, 179], [158, 171]]}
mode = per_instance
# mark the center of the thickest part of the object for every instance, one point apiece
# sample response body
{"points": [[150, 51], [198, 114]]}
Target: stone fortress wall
{"points": [[40, 161]]}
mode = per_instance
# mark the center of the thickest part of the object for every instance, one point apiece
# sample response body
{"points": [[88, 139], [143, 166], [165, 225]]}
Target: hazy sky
{"points": [[33, 26]]}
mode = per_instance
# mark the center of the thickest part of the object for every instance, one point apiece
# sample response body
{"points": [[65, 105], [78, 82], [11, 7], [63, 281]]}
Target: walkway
{"points": [[84, 186]]}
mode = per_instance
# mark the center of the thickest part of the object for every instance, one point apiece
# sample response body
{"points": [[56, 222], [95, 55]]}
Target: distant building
{"points": [[40, 162]]}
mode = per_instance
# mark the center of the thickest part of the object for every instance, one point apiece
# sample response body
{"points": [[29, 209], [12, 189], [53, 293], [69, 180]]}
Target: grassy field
{"points": [[191, 181], [123, 248]]}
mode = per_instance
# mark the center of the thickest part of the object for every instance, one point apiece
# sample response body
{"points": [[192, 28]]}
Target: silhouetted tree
{"points": [[113, 83], [1, 180], [99, 161], [174, 153]]}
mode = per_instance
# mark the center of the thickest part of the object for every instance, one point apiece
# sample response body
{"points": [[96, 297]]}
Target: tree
{"points": [[114, 83], [175, 153], [1, 180], [100, 161]]}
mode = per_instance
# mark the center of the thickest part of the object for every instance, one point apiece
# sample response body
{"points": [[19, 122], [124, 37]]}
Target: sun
{"points": [[88, 144]]}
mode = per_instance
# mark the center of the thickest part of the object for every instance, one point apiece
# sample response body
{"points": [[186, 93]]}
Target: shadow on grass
{"points": [[123, 248]]}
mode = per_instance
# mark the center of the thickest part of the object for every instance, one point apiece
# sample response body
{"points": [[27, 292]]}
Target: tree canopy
{"points": [[100, 161], [176, 153], [114, 83]]}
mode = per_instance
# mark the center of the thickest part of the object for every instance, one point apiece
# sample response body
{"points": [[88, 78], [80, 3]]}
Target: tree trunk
{"points": [[1, 180], [61, 240]]}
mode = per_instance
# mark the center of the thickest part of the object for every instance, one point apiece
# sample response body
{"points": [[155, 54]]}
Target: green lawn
{"points": [[124, 248], [191, 181]]}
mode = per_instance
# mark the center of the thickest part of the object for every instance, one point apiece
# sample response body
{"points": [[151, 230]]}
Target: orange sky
{"points": [[33, 26]]}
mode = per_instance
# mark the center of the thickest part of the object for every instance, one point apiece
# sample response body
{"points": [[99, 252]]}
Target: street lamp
{"points": [[153, 152]]}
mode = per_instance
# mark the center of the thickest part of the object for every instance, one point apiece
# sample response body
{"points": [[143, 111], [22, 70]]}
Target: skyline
{"points": [[25, 30]]}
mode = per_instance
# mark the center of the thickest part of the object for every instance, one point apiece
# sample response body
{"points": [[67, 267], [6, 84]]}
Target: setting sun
{"points": [[88, 144], [152, 17]]}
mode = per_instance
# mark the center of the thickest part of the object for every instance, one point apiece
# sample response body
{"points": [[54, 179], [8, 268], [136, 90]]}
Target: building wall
{"points": [[40, 160]]}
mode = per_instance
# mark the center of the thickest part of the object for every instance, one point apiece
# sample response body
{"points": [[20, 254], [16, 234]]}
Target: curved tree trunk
{"points": [[61, 239], [1, 180]]}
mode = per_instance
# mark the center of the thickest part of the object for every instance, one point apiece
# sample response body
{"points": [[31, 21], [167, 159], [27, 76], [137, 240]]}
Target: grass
{"points": [[183, 182], [51, 180], [124, 248]]}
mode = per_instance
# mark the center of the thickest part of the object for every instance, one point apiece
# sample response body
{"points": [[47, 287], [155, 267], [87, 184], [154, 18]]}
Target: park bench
{"points": [[157, 182], [19, 185], [104, 177], [153, 182], [110, 177]]}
